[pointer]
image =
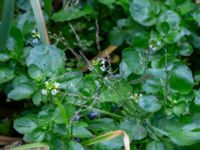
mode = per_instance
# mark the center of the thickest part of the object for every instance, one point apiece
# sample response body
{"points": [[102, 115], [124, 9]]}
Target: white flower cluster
{"points": [[135, 96], [35, 36], [52, 88], [102, 62], [99, 62]]}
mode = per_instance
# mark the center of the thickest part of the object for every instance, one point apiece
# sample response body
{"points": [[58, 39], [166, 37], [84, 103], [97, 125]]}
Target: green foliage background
{"points": [[152, 93]]}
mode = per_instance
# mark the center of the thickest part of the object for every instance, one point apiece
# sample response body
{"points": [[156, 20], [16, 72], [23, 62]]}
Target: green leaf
{"points": [[71, 13], [35, 136], [20, 80], [144, 11], [134, 60], [81, 132], [116, 37], [149, 103], [4, 57], [87, 86], [169, 25], [133, 128], [185, 48], [25, 125], [75, 146], [103, 124], [183, 76], [6, 74], [184, 137], [197, 98], [58, 116], [35, 73], [155, 145], [124, 70], [115, 93], [154, 81], [196, 16], [141, 39], [37, 98], [179, 108], [23, 91], [49, 59]]}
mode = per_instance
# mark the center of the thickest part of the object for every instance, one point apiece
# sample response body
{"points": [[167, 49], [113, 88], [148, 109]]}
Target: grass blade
{"points": [[109, 136], [39, 18], [31, 146], [8, 10]]}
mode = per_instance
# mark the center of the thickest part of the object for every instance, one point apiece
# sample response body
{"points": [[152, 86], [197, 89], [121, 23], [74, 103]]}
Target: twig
{"points": [[76, 36], [97, 36]]}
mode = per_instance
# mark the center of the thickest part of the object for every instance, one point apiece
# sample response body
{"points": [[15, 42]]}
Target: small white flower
{"points": [[35, 41], [103, 61], [103, 68], [151, 46], [33, 31], [54, 92], [140, 95], [44, 92], [56, 85], [159, 43]]}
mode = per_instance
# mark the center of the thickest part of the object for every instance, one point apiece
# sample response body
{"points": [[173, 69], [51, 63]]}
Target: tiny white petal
{"points": [[103, 68], [56, 85], [159, 43], [44, 92], [54, 92], [35, 41]]}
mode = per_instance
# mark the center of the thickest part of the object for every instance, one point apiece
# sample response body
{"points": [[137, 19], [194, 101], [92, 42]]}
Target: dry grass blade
{"points": [[109, 136], [39, 18]]}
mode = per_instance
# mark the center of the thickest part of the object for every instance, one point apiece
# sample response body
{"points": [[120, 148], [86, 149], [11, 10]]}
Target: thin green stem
{"points": [[63, 112]]}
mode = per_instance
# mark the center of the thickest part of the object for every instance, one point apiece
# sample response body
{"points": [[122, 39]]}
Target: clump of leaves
{"points": [[152, 97]]}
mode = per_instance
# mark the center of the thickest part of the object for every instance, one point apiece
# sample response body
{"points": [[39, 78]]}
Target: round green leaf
{"points": [[181, 80], [23, 91], [144, 11], [184, 137], [134, 60], [179, 108], [185, 49], [149, 103], [49, 59], [35, 73], [37, 98], [154, 81], [4, 57], [134, 128], [168, 25], [6, 74], [167, 21], [155, 145], [87, 86], [24, 125]]}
